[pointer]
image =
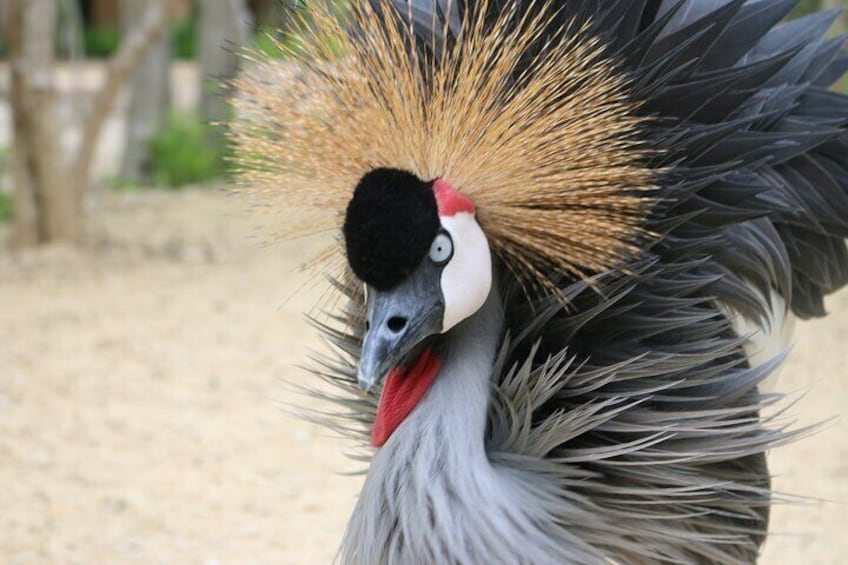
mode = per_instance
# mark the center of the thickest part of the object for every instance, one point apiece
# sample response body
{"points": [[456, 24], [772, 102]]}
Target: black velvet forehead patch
{"points": [[389, 225]]}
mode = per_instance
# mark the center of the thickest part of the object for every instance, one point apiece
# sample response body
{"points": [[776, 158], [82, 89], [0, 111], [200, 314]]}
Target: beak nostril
{"points": [[396, 323]]}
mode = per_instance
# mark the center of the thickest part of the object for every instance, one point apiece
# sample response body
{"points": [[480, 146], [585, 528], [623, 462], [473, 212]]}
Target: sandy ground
{"points": [[142, 392]]}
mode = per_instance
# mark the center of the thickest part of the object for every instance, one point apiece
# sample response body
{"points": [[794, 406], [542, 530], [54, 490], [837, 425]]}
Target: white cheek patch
{"points": [[467, 278]]}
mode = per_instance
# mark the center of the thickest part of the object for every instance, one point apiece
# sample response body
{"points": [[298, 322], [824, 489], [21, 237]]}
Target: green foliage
{"points": [[184, 38], [281, 40], [266, 43], [283, 45], [276, 45], [101, 42], [6, 209], [188, 151], [5, 197]]}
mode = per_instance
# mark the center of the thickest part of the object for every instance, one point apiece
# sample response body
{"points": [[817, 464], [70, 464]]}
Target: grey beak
{"points": [[400, 319], [374, 362]]}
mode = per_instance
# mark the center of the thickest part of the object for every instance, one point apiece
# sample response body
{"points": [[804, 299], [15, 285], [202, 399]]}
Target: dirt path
{"points": [[141, 392]]}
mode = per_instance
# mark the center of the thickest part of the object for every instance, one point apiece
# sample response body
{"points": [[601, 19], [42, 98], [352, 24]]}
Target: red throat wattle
{"points": [[402, 392]]}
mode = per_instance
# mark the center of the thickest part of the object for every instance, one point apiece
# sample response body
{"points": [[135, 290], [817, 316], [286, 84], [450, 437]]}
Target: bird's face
{"points": [[427, 266]]}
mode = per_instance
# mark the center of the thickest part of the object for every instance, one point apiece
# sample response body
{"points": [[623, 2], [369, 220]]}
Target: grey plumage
{"points": [[630, 426]]}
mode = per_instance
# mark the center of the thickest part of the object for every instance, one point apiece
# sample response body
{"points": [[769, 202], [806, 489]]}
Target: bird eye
{"points": [[442, 249]]}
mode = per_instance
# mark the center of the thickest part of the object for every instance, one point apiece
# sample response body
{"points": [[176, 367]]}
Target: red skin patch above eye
{"points": [[401, 394], [450, 201]]}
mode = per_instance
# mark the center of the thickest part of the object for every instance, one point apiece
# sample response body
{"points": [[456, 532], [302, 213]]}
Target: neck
{"points": [[432, 495], [411, 497]]}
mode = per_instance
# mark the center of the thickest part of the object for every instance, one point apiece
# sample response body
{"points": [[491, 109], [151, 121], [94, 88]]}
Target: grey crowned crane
{"points": [[576, 234]]}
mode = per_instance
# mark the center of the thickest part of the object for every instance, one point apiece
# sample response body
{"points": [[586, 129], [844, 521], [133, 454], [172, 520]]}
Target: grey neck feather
{"points": [[432, 495]]}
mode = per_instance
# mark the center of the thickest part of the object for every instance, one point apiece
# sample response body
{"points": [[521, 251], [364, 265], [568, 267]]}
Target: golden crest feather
{"points": [[547, 146]]}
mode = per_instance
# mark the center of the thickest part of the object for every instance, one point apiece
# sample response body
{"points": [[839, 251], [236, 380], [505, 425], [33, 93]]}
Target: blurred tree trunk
{"points": [[149, 97], [841, 25], [49, 185], [45, 208], [224, 27]]}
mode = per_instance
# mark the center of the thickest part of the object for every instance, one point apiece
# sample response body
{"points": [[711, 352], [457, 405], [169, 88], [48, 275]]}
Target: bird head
{"points": [[497, 148], [427, 266]]}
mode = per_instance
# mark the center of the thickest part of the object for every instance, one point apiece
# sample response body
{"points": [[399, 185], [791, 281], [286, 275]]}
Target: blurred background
{"points": [[149, 324]]}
